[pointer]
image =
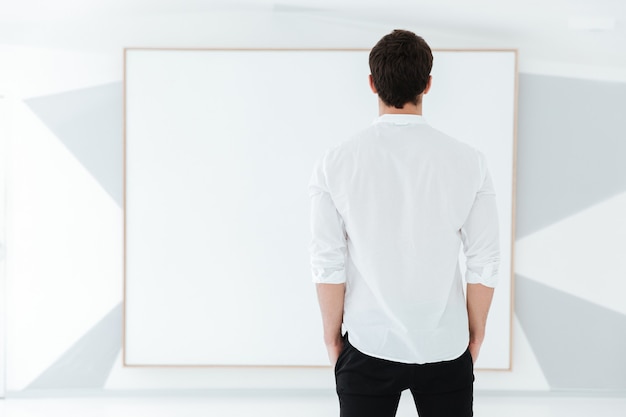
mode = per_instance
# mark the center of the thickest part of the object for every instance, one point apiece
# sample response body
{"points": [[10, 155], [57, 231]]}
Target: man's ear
{"points": [[372, 86], [428, 85]]}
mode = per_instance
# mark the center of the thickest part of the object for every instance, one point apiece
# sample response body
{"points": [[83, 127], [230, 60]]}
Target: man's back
{"points": [[404, 191]]}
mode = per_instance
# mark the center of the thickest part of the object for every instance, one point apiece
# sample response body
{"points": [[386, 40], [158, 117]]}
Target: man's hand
{"points": [[478, 302], [334, 349], [331, 297], [474, 348]]}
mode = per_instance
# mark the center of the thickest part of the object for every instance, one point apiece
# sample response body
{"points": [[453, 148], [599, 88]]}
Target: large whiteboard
{"points": [[219, 148]]}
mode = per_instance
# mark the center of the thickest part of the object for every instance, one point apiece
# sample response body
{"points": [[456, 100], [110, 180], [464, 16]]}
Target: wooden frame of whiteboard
{"points": [[513, 196]]}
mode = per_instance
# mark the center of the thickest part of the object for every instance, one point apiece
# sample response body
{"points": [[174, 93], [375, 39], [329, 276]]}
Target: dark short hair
{"points": [[400, 64]]}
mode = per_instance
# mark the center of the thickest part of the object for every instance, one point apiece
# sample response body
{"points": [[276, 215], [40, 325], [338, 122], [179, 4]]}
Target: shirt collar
{"points": [[400, 119]]}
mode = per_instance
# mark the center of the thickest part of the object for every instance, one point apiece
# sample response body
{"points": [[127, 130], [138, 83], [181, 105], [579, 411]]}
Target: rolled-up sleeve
{"points": [[480, 234], [328, 242]]}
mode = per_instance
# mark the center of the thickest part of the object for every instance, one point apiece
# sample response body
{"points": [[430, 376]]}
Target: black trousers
{"points": [[371, 387]]}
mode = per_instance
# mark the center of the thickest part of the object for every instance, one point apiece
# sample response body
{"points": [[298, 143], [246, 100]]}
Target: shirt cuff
{"points": [[487, 277], [329, 276]]}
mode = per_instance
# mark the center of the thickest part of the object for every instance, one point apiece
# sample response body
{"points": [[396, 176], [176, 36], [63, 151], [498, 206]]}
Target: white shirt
{"points": [[390, 210]]}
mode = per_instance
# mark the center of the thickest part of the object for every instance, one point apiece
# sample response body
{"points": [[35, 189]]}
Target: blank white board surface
{"points": [[219, 148]]}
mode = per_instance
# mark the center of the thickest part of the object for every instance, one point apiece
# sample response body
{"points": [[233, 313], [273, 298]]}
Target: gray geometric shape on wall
{"points": [[89, 123], [88, 363], [571, 147], [578, 344]]}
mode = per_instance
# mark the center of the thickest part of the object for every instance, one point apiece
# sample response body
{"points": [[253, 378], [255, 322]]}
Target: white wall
{"points": [[5, 120], [65, 230]]}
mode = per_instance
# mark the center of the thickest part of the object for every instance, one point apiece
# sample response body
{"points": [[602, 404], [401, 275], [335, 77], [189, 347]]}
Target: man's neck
{"points": [[409, 108]]}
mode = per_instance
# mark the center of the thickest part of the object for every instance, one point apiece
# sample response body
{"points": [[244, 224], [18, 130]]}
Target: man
{"points": [[391, 209]]}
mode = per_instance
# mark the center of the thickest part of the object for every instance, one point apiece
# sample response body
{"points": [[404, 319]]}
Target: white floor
{"points": [[289, 405]]}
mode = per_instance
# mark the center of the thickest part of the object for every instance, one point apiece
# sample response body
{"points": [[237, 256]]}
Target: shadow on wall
{"points": [[571, 147], [89, 123], [579, 345], [88, 363]]}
